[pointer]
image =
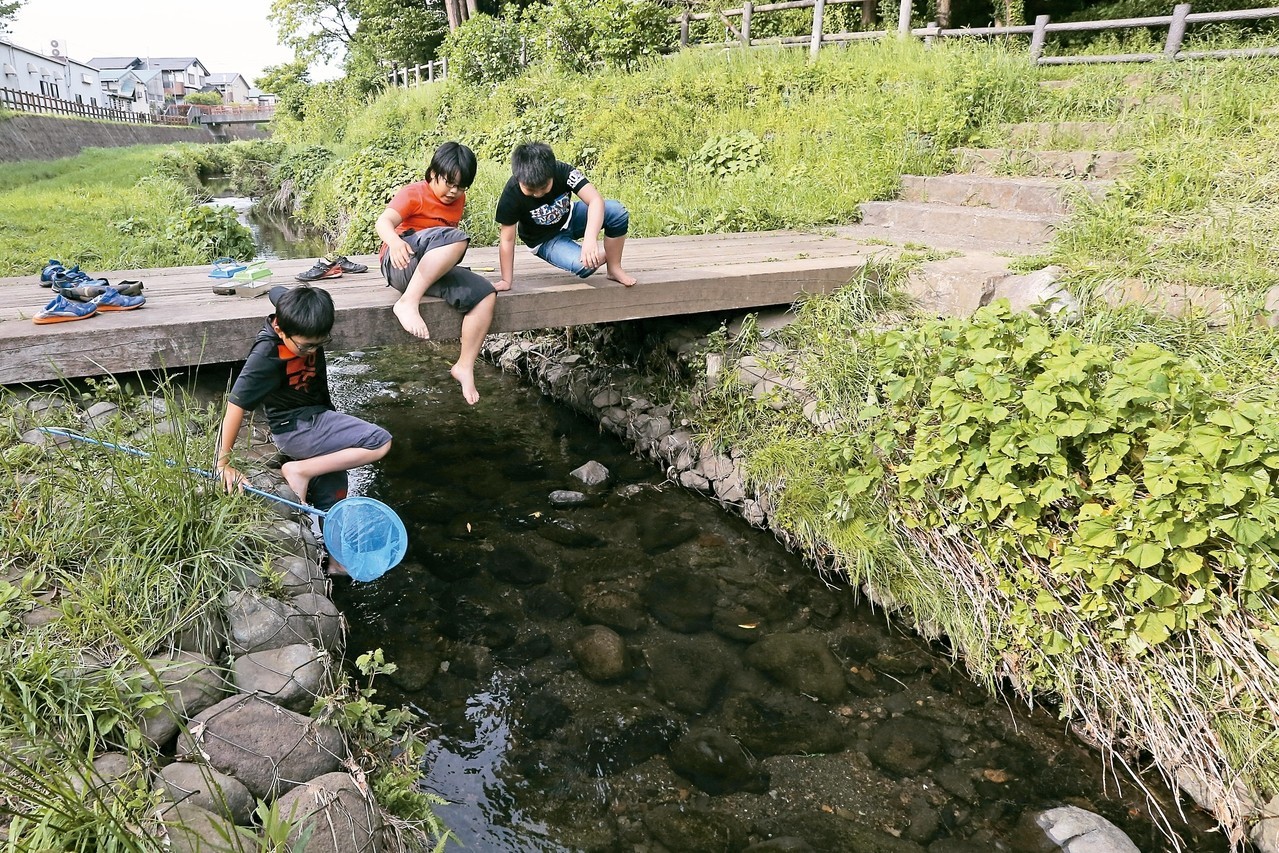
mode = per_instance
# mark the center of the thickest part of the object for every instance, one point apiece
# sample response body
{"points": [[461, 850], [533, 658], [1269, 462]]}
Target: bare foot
{"points": [[621, 276], [411, 319], [466, 378], [296, 481], [334, 569]]}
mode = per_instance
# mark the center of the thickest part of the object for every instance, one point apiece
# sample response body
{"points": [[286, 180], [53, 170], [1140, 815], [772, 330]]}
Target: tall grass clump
{"points": [[109, 209], [107, 560]]}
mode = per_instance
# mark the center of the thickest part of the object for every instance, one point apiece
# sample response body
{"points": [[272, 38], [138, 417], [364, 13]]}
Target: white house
{"points": [[262, 99], [179, 75], [127, 83], [54, 76], [233, 88]]}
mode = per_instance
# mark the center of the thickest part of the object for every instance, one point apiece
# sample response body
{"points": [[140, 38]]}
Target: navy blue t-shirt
{"points": [[539, 218]]}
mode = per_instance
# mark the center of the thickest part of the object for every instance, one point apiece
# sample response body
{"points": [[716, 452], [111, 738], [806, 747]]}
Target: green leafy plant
{"points": [[727, 155], [485, 50]]}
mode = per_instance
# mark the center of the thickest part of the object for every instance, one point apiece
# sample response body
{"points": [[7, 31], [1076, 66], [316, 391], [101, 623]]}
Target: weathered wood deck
{"points": [[184, 323]]}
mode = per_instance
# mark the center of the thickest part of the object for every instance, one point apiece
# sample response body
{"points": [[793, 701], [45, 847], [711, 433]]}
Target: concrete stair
{"points": [[1016, 230], [1029, 162], [1051, 196]]}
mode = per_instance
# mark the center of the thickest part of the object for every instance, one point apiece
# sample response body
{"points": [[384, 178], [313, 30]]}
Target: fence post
{"points": [[417, 75], [747, 9], [929, 36], [1176, 30], [683, 28], [1037, 40], [817, 13], [903, 19]]}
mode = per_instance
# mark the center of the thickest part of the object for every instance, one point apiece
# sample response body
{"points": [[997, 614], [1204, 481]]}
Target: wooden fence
{"points": [[29, 102], [1176, 23], [436, 69]]}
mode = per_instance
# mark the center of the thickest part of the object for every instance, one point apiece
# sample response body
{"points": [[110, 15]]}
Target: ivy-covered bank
{"points": [[1086, 514]]}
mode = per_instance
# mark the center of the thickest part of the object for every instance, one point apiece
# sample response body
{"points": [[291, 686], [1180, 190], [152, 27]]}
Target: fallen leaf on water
{"points": [[468, 527], [827, 809], [748, 625], [999, 777]]}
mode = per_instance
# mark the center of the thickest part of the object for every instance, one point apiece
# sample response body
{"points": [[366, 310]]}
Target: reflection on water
{"points": [[274, 235], [750, 699]]}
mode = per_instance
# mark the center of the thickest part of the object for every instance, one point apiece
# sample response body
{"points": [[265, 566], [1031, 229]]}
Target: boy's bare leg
{"points": [[299, 473], [613, 261], [435, 263], [475, 325]]}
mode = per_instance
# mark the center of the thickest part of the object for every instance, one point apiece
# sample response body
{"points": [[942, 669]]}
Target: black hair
{"points": [[533, 163], [305, 311], [453, 162]]}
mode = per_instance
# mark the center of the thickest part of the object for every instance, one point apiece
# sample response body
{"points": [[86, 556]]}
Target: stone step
{"points": [[1062, 164], [1063, 135], [1011, 227], [1027, 195]]}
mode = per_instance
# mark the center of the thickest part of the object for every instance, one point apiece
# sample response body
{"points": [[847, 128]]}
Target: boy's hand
{"points": [[231, 478], [401, 253], [592, 255], [501, 285]]}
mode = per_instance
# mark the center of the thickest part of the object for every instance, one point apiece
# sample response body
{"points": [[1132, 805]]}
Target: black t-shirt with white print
{"points": [[539, 218], [290, 387]]}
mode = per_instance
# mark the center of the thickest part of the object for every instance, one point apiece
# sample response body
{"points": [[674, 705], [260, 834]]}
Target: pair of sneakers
{"points": [[62, 309], [331, 267]]}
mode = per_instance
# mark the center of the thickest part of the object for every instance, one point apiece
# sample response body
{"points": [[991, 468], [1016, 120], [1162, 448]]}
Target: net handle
{"points": [[133, 451]]}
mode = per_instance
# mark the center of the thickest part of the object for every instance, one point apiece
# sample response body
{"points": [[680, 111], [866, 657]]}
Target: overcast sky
{"points": [[225, 35]]}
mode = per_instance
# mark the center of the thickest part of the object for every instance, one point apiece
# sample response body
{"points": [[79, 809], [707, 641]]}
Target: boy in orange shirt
{"points": [[421, 247]]}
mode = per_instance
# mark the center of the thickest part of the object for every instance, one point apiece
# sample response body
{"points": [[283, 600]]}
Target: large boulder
{"points": [[291, 676], [334, 813], [201, 785]]}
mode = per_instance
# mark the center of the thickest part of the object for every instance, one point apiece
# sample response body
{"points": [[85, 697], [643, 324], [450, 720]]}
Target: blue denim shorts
{"points": [[563, 251]]}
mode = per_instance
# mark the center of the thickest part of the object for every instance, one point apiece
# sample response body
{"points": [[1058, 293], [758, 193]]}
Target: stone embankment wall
{"points": [[36, 137]]}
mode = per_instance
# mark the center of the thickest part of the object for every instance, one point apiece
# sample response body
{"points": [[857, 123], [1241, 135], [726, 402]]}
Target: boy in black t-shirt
{"points": [[537, 204], [286, 372]]}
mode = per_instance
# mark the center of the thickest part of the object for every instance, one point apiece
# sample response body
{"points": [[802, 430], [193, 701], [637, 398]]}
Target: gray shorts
{"points": [[459, 287], [328, 432]]}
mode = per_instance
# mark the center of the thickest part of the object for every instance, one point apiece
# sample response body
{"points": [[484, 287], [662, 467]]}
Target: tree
{"points": [[8, 10], [208, 99], [400, 32], [289, 83], [314, 28]]}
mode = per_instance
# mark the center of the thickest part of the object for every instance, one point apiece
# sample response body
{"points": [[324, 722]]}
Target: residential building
{"points": [[127, 83], [233, 88], [179, 75], [262, 99], [53, 76]]}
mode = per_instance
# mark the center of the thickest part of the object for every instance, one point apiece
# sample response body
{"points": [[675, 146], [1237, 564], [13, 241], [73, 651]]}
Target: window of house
{"points": [[191, 79], [79, 100]]}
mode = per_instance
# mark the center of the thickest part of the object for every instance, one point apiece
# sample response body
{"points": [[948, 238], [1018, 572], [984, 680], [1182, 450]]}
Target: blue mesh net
{"points": [[365, 536]]}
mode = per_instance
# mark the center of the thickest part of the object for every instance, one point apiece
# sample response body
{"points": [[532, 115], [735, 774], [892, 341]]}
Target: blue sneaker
{"points": [[62, 310], [111, 299], [65, 279], [50, 270]]}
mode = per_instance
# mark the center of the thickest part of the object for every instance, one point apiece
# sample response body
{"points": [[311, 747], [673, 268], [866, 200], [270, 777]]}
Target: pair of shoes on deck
{"points": [[331, 267], [90, 289], [61, 309]]}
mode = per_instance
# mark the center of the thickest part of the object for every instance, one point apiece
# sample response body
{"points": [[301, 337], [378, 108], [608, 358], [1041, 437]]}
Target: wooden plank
{"points": [[184, 323]]}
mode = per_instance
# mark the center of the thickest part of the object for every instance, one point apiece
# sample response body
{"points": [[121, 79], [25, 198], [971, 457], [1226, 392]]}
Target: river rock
{"points": [[516, 567], [687, 673], [542, 714], [615, 739], [680, 600], [481, 613], [600, 652], [113, 774], [1265, 832], [591, 474], [268, 748], [803, 662], [334, 813], [201, 785], [190, 683], [566, 497], [191, 829], [1075, 830], [690, 827], [780, 724], [568, 534], [606, 604], [660, 532], [291, 676], [715, 762], [904, 746], [299, 575], [257, 622], [1039, 288]]}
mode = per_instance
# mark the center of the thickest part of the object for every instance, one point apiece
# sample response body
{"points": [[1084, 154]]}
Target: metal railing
{"points": [[1176, 23], [30, 102], [436, 69]]}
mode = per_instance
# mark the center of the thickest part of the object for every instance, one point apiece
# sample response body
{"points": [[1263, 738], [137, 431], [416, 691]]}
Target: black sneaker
{"points": [[349, 265], [324, 268]]}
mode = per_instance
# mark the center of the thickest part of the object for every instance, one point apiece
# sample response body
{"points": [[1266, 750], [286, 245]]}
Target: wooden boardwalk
{"points": [[184, 323]]}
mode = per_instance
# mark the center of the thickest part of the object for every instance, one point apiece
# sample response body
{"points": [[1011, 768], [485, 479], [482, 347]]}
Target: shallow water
{"points": [[274, 235], [754, 699]]}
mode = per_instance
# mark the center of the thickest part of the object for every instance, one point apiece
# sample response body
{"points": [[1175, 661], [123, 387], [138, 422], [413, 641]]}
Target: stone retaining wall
{"points": [[39, 137]]}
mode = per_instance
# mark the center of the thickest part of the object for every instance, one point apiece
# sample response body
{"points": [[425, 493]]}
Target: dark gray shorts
{"points": [[328, 432], [459, 287]]}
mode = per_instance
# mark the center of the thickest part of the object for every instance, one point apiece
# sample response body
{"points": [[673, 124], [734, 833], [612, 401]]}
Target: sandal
{"points": [[226, 268]]}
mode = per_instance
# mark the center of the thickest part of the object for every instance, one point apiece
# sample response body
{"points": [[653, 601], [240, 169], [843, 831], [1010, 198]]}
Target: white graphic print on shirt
{"points": [[553, 212]]}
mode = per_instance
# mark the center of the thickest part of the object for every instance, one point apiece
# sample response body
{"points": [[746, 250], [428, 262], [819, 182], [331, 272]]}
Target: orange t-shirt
{"points": [[419, 207]]}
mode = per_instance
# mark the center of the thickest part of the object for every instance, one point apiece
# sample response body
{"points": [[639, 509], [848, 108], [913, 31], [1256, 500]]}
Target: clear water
{"points": [[500, 581], [274, 235]]}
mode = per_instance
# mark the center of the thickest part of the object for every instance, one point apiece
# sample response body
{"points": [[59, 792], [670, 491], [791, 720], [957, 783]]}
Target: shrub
{"points": [[484, 51]]}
